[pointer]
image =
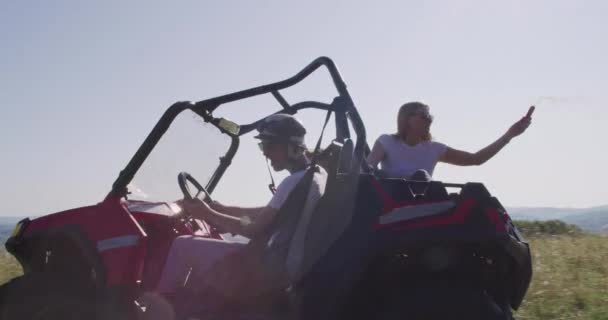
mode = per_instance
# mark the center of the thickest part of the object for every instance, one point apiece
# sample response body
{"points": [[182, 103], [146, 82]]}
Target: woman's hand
{"points": [[520, 126]]}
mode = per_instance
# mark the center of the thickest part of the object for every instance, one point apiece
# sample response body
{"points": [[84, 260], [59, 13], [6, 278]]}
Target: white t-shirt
{"points": [[317, 188], [402, 160], [284, 189]]}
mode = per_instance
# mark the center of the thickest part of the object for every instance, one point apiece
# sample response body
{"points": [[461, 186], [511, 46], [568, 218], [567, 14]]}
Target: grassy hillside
{"points": [[570, 274], [593, 219]]}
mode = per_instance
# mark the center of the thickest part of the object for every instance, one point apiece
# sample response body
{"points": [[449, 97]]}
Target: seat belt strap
{"points": [[318, 146]]}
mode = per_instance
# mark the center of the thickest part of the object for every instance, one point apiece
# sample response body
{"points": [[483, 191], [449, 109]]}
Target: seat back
{"points": [[345, 160], [336, 159], [334, 211]]}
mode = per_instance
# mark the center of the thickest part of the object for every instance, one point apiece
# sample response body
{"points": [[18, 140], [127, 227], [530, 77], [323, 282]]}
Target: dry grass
{"points": [[570, 278], [9, 267]]}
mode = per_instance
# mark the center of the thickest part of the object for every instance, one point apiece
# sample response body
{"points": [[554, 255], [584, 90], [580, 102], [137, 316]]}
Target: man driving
{"points": [[282, 142]]}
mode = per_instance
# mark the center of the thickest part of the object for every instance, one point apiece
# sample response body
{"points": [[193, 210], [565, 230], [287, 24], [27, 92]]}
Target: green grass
{"points": [[570, 278], [9, 267]]}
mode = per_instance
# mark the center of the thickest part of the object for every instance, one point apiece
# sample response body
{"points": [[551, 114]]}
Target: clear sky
{"points": [[82, 83]]}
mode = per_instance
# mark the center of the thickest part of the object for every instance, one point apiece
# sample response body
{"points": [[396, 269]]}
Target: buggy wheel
{"points": [[26, 298], [435, 305]]}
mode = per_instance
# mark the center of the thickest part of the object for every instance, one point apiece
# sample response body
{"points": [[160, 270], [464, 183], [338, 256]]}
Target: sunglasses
{"points": [[265, 145]]}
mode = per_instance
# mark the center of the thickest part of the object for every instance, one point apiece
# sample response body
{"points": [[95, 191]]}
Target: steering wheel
{"points": [[183, 178]]}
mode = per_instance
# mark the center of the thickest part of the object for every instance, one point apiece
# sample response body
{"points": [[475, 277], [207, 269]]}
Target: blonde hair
{"points": [[405, 111]]}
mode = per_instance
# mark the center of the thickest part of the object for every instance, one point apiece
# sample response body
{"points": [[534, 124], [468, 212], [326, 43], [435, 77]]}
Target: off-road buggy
{"points": [[376, 248]]}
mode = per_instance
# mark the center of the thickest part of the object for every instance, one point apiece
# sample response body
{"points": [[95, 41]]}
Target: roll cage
{"points": [[342, 106]]}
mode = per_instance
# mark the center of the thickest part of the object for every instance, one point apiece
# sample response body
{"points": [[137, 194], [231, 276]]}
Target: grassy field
{"points": [[9, 267], [570, 278]]}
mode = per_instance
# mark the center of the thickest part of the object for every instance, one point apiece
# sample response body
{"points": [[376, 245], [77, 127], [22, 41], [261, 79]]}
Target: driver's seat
{"points": [[275, 247], [261, 267], [337, 160]]}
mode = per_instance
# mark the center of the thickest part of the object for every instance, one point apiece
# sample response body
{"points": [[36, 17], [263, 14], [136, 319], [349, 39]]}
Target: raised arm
{"points": [[463, 158]]}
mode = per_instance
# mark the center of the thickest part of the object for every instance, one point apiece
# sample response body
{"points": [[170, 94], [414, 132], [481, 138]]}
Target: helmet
{"points": [[282, 128]]}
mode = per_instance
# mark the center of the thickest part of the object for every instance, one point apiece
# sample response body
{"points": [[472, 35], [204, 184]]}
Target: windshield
{"points": [[190, 145]]}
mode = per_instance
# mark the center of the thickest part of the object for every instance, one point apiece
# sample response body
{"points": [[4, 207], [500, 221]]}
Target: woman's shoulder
{"points": [[435, 143], [437, 146], [387, 139]]}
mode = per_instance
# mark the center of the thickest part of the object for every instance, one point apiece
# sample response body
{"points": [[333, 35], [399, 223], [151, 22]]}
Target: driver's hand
{"points": [[196, 208], [217, 206]]}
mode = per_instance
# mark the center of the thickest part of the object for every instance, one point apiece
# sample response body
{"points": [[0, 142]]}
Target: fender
{"points": [[57, 247]]}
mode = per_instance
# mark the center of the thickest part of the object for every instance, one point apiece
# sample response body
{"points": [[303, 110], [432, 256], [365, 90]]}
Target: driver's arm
{"points": [[236, 211], [229, 223], [252, 220]]}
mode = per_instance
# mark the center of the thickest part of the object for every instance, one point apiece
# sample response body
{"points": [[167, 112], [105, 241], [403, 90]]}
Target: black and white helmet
{"points": [[283, 128]]}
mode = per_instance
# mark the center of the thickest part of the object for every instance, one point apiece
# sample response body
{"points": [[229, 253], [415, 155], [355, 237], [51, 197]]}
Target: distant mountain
{"points": [[594, 219]]}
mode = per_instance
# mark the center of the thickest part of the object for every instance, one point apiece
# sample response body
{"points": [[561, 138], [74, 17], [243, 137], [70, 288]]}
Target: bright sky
{"points": [[82, 83]]}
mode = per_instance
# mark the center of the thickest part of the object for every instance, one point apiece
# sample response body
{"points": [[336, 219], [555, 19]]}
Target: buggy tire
{"points": [[30, 297], [436, 305]]}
